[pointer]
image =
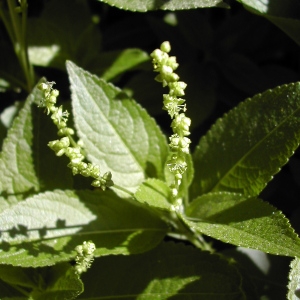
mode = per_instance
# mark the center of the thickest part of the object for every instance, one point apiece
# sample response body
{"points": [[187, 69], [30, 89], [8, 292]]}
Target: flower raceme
{"points": [[85, 256], [66, 145], [165, 65]]}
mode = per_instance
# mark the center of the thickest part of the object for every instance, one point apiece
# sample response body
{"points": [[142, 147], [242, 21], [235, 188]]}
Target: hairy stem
{"points": [[196, 239]]}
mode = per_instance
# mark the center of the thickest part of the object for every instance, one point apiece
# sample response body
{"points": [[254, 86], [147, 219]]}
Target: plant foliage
{"points": [[106, 195]]}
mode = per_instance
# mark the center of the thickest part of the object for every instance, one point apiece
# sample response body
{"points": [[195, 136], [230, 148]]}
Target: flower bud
{"points": [[54, 93], [157, 55], [166, 70], [96, 183], [43, 86], [61, 152], [165, 47], [172, 62], [181, 124]]}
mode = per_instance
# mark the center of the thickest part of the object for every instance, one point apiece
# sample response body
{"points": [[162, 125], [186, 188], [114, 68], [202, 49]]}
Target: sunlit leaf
{"points": [[294, 283], [118, 134], [17, 171], [244, 149], [46, 228], [154, 193], [145, 5], [108, 65], [243, 221]]}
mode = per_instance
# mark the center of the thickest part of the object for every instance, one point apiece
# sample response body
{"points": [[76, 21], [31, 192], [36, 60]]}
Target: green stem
{"points": [[28, 66], [17, 33], [16, 28], [196, 239], [186, 190], [7, 24]]}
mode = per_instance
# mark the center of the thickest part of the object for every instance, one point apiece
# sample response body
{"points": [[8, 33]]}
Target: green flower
{"points": [[58, 115], [63, 146], [181, 124], [84, 257], [165, 65]]}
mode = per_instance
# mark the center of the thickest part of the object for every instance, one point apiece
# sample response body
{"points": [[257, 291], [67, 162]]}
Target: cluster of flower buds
{"points": [[85, 256], [66, 145], [165, 65]]}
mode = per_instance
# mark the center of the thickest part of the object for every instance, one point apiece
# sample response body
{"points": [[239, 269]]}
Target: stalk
{"points": [[17, 31]]}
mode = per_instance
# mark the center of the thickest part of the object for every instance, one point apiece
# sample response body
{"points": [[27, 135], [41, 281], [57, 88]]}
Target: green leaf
{"points": [[242, 221], [63, 31], [108, 65], [17, 170], [244, 149], [155, 193], [145, 5], [46, 228], [283, 13], [118, 134], [61, 282], [6, 119], [170, 271], [27, 163], [294, 283]]}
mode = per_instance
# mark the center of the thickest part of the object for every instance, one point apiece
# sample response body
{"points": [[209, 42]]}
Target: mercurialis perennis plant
{"points": [[147, 175]]}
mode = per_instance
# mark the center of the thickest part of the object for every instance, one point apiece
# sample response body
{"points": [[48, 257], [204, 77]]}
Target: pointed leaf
{"points": [[118, 135], [245, 148], [242, 221], [26, 162], [145, 5], [170, 271], [17, 171], [46, 228], [6, 118], [109, 65], [294, 284], [155, 193]]}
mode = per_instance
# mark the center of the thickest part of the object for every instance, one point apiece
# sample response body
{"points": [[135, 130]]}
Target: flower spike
{"points": [[179, 143], [66, 145]]}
